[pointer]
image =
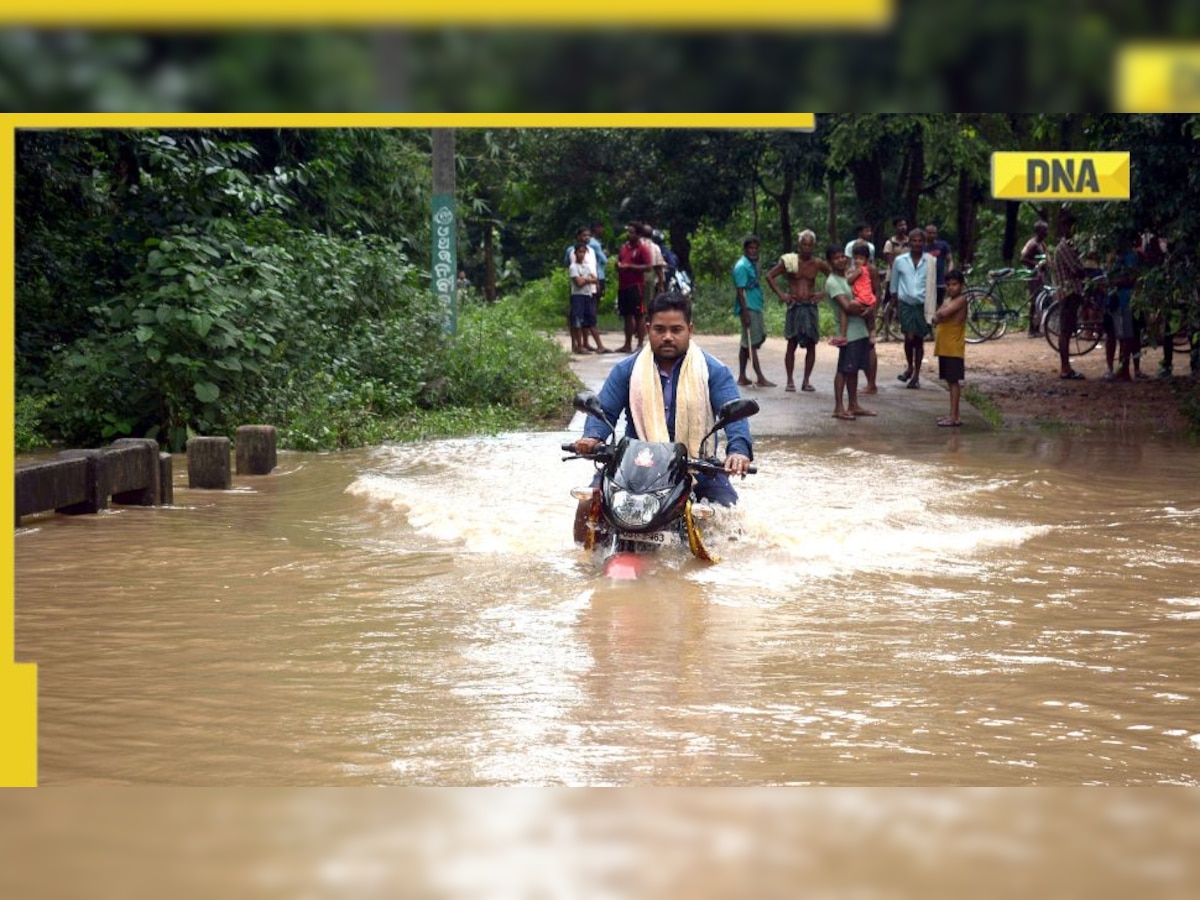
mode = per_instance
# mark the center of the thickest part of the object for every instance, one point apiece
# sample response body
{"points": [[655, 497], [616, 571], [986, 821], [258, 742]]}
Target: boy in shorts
{"points": [[581, 320], [950, 343]]}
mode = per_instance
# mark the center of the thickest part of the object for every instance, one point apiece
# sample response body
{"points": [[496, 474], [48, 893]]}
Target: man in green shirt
{"points": [[854, 356], [748, 307]]}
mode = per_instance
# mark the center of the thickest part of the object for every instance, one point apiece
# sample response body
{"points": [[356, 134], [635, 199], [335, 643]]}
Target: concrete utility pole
{"points": [[445, 256]]}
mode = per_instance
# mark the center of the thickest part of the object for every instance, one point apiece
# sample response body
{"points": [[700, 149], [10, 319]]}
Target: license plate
{"points": [[652, 537]]}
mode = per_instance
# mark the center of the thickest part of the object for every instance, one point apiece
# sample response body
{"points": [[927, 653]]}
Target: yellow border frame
{"points": [[699, 14], [1144, 77], [18, 681]]}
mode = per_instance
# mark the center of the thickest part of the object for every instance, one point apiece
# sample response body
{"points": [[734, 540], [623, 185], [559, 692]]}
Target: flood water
{"points": [[975, 608]]}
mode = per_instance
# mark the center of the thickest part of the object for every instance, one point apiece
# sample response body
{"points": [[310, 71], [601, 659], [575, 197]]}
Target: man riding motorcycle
{"points": [[671, 391]]}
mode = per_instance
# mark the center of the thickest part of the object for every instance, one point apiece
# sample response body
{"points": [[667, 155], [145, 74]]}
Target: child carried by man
{"points": [[863, 283]]}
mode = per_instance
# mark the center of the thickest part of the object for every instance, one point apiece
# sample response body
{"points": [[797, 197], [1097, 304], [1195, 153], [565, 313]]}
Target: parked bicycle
{"points": [[990, 312], [1089, 328], [887, 318]]}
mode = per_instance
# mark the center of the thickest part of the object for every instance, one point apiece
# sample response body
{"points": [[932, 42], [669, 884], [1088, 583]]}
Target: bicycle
{"points": [[1089, 329], [989, 313], [887, 318]]}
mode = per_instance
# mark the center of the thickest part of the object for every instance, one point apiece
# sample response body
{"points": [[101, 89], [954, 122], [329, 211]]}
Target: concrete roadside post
{"points": [[208, 463], [254, 449]]}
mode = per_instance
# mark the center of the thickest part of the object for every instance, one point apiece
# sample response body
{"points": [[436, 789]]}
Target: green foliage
{"points": [[455, 421], [982, 402], [715, 250], [542, 304], [179, 281], [497, 360], [213, 325], [372, 377], [27, 432], [496, 374]]}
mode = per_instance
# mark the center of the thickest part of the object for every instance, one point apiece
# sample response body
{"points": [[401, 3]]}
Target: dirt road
{"points": [[811, 414], [1018, 376]]}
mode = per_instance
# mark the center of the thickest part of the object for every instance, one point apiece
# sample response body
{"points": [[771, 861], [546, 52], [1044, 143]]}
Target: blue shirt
{"points": [[601, 259], [908, 281], [745, 276], [614, 398]]}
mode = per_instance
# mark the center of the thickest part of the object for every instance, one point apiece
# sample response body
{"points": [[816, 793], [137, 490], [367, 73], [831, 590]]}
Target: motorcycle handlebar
{"points": [[601, 452], [709, 468]]}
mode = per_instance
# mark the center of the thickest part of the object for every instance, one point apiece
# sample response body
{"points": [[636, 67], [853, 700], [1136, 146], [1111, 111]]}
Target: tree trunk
{"points": [[966, 218], [754, 205], [681, 242], [1008, 251], [916, 180], [832, 223], [868, 188], [784, 199], [489, 262]]}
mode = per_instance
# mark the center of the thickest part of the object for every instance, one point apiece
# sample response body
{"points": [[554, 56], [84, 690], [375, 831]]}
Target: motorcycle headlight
{"points": [[634, 510]]}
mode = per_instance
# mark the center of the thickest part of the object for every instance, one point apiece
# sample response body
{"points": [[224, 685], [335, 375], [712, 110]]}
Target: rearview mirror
{"points": [[588, 403], [736, 410], [732, 411]]}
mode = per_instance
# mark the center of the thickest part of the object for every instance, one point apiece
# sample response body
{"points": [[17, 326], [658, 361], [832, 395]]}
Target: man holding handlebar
{"points": [[672, 391]]}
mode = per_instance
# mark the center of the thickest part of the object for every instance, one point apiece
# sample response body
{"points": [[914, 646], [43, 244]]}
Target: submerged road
{"points": [[811, 414]]}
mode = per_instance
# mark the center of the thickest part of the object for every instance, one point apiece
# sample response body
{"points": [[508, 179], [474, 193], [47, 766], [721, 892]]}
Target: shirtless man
{"points": [[802, 301]]}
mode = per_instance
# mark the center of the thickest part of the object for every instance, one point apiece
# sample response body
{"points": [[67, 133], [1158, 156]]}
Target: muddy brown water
{"points": [[969, 608]]}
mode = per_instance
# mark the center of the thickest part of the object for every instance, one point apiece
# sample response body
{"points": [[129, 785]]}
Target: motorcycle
{"points": [[679, 283], [645, 499]]}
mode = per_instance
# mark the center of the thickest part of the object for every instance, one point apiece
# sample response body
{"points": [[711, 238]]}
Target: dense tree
{"points": [[675, 179], [170, 280], [176, 281], [787, 163]]}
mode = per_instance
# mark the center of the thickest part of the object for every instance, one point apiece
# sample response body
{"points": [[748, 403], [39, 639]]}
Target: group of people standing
{"points": [[917, 269], [673, 382], [672, 390], [645, 266], [1066, 268]]}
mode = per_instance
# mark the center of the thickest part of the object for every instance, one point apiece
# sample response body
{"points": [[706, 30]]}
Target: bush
{"points": [[356, 400], [496, 373], [497, 359], [214, 324], [542, 304], [27, 432]]}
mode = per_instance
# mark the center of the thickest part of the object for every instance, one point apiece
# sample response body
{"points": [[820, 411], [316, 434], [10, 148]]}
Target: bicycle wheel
{"points": [[984, 315], [1051, 321], [1087, 335], [886, 325], [1040, 304], [1085, 338], [1007, 311]]}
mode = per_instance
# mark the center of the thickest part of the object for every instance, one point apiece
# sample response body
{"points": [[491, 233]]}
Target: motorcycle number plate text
{"points": [[653, 537]]}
